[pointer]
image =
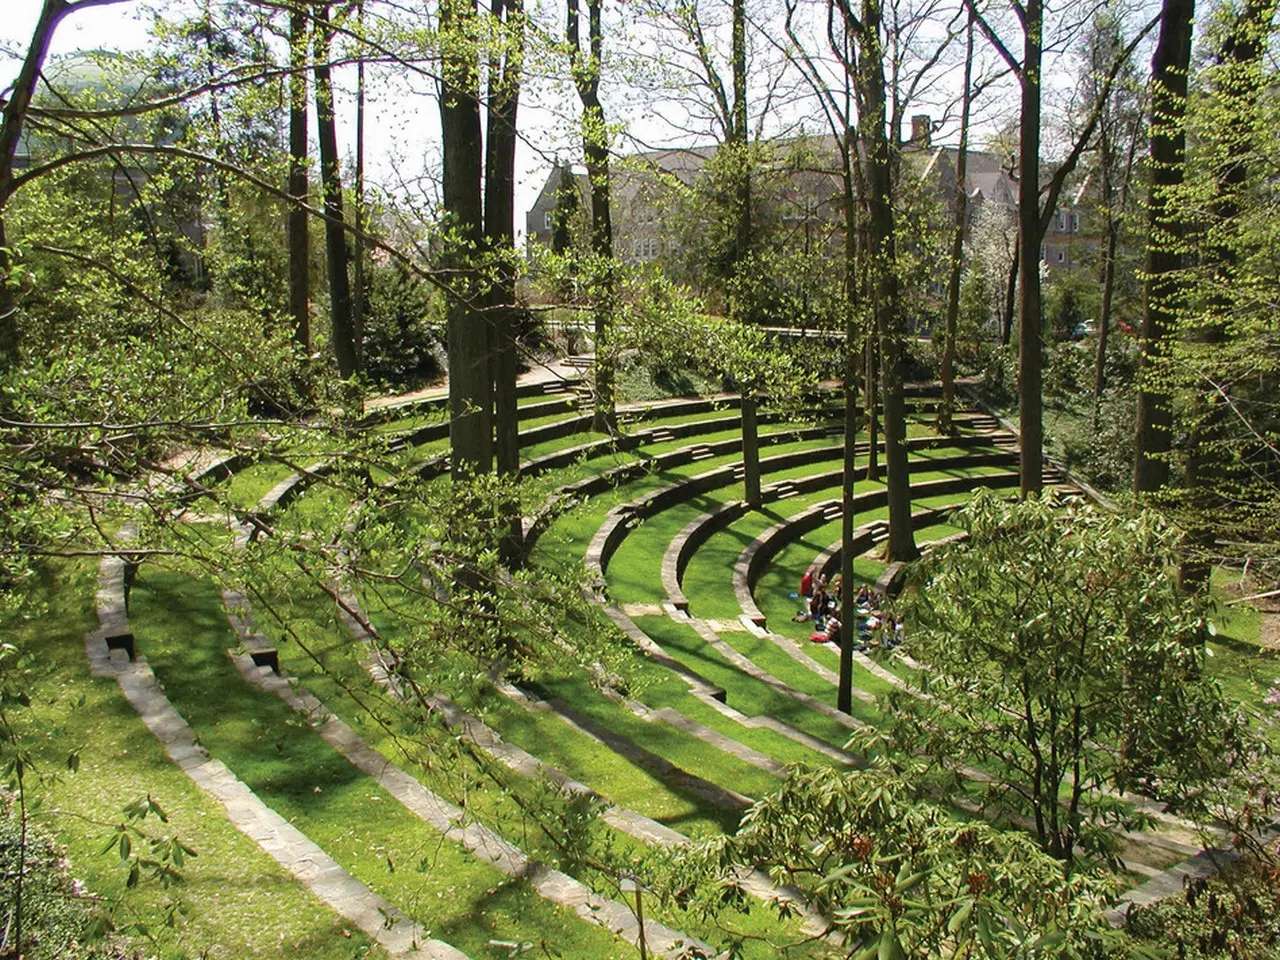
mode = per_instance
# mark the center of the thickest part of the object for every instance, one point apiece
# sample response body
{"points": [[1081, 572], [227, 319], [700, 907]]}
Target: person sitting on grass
{"points": [[806, 582], [818, 602], [867, 627], [816, 607], [832, 630]]}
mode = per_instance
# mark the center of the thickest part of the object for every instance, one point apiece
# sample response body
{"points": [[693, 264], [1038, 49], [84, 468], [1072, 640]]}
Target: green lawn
{"points": [[329, 667], [182, 630], [745, 693], [238, 902], [180, 626], [1245, 669]]}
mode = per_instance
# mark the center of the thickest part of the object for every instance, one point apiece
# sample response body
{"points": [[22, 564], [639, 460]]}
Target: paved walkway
{"points": [[540, 371]]}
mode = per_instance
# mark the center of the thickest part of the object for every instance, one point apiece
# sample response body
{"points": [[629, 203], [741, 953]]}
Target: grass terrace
{"points": [[667, 752]]}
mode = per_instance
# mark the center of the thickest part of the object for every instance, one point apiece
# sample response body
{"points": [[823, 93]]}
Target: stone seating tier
{"points": [[624, 516], [439, 402], [529, 411], [753, 560]]}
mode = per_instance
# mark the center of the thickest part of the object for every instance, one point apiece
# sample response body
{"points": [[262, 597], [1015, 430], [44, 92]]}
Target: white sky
{"points": [[402, 127]]}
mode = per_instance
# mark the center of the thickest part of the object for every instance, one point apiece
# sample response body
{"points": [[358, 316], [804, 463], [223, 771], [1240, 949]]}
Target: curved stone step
{"points": [[278, 838], [750, 563], [715, 698], [519, 760], [451, 821]]}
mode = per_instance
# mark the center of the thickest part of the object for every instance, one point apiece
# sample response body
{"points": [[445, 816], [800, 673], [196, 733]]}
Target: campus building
{"points": [[805, 188]]}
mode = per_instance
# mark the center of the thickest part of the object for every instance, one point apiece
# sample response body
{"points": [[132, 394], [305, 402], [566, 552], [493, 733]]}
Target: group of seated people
{"points": [[822, 606]]}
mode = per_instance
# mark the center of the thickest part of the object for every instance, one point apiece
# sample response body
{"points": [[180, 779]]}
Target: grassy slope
{"points": [[549, 739], [1245, 669], [369, 833], [236, 893], [239, 902]]}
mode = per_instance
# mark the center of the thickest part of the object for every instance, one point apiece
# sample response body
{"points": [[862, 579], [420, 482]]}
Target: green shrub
{"points": [[1232, 916], [404, 328], [1104, 456], [998, 369], [39, 896]]}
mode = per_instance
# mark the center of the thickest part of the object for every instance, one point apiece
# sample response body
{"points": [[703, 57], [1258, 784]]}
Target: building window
{"points": [[1075, 223], [1062, 256], [1062, 221], [546, 220], [646, 249], [1044, 253]]}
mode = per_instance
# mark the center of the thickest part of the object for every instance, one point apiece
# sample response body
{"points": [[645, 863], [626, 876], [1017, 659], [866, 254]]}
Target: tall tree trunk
{"points": [[8, 306], [585, 66], [1030, 322], [742, 225], [499, 213], [359, 301], [737, 143], [750, 449], [470, 376], [852, 358], [222, 199], [750, 446], [849, 622], [884, 266], [1109, 274], [1011, 295], [947, 372], [299, 278], [335, 235], [871, 399], [1169, 67], [902, 543]]}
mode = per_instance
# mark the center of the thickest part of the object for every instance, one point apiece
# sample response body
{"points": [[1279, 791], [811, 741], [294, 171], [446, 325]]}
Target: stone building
{"points": [[806, 196]]}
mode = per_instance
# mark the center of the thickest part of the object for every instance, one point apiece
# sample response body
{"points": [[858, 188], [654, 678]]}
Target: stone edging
{"points": [[714, 697], [621, 517], [278, 838], [515, 758], [747, 568], [452, 822], [458, 826]]}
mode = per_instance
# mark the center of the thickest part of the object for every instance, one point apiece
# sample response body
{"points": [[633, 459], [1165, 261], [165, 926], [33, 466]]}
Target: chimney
{"points": [[921, 129]]}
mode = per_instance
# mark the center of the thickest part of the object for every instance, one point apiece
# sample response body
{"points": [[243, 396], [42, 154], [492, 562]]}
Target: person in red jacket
{"points": [[806, 582]]}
